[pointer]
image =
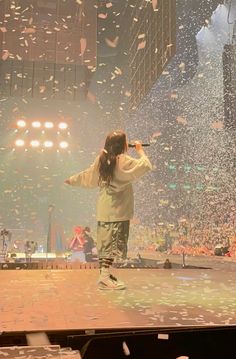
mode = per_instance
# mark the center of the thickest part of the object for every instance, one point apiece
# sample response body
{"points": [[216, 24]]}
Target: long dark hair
{"points": [[115, 144]]}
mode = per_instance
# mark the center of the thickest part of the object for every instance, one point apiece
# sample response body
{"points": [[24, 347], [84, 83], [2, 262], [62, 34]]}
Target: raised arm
{"points": [[87, 178]]}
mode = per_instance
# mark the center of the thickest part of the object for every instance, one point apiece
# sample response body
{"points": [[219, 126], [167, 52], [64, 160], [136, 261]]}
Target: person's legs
{"points": [[111, 241], [121, 239], [105, 244]]}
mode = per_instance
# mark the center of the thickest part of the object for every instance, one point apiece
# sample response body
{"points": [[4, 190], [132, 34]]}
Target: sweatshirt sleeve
{"points": [[133, 168], [87, 178]]}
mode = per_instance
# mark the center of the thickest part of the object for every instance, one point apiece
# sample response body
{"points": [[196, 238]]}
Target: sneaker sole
{"points": [[105, 287]]}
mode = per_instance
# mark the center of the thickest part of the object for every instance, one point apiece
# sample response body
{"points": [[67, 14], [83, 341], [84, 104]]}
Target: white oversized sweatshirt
{"points": [[116, 201]]}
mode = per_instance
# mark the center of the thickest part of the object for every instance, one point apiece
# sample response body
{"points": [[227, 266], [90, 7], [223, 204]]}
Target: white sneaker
{"points": [[110, 283]]}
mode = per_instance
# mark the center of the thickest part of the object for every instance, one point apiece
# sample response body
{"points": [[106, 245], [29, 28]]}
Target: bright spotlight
{"points": [[36, 124], [48, 125], [21, 123], [20, 143], [48, 144], [34, 143], [63, 125], [63, 144]]}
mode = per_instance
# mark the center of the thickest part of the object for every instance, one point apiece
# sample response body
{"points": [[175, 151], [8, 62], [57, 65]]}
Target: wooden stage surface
{"points": [[44, 300]]}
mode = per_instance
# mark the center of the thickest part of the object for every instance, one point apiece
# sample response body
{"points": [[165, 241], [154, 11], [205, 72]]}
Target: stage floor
{"points": [[45, 300]]}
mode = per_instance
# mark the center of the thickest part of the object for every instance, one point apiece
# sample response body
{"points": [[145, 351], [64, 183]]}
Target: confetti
{"points": [[219, 125], [102, 15], [125, 349], [141, 45], [154, 4], [181, 120], [5, 55], [112, 43]]}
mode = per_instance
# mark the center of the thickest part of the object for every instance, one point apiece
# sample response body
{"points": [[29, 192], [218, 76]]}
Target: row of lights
{"points": [[36, 144], [38, 124]]}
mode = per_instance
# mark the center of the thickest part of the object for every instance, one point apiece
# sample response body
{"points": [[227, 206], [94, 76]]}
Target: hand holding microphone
{"points": [[138, 145], [145, 144]]}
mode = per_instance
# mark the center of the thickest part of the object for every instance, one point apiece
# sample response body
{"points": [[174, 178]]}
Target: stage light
{"points": [[34, 143], [36, 124], [48, 144], [20, 143], [63, 144], [63, 125], [48, 125], [21, 123]]}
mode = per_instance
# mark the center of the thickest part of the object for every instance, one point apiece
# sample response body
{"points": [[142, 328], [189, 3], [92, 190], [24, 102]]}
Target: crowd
{"points": [[191, 237]]}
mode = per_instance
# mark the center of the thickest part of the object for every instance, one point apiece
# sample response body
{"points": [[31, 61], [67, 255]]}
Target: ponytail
{"points": [[115, 144]]}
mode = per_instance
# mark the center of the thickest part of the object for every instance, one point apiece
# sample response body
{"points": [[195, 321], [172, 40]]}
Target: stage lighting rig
{"points": [[34, 143], [229, 80], [21, 123], [63, 144], [5, 232], [19, 143], [36, 124], [48, 144], [48, 125], [63, 125], [43, 134], [5, 238], [152, 51]]}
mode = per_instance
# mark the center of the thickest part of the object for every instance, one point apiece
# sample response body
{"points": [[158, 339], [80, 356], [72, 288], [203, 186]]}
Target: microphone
{"points": [[131, 145]]}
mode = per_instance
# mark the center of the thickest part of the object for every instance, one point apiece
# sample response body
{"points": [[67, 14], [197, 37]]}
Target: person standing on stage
{"points": [[113, 171], [77, 245], [89, 244]]}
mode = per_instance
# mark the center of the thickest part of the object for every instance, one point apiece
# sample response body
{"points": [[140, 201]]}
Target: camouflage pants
{"points": [[112, 239]]}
